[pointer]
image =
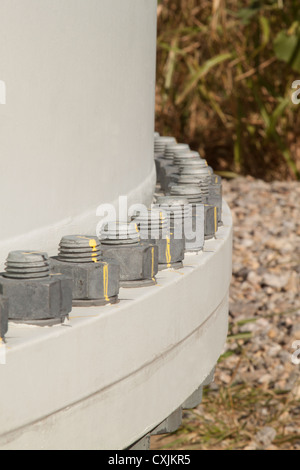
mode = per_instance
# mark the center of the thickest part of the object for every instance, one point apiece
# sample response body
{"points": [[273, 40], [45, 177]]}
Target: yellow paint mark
{"points": [[136, 228], [93, 245], [105, 282], [216, 180], [206, 163], [168, 252], [32, 252], [161, 218], [216, 220]]}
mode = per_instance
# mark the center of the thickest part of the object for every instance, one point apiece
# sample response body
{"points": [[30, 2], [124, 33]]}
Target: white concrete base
{"points": [[114, 373]]}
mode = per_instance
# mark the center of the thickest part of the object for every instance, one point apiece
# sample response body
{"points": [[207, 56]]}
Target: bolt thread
{"points": [[186, 156], [194, 164], [192, 193], [195, 174], [175, 149], [161, 142], [27, 265], [176, 213], [193, 180], [79, 249], [120, 234], [153, 224]]}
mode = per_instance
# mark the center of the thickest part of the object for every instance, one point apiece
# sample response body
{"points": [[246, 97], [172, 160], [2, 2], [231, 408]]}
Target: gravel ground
{"points": [[254, 402]]}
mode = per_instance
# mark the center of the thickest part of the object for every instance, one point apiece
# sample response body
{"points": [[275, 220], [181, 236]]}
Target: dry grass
{"points": [[222, 88], [231, 415], [229, 420]]}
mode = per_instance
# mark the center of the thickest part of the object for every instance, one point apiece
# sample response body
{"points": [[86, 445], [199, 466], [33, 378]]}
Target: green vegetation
{"points": [[224, 78]]}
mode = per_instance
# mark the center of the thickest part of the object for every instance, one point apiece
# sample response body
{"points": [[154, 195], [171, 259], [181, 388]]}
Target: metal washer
{"points": [[138, 283], [95, 302]]}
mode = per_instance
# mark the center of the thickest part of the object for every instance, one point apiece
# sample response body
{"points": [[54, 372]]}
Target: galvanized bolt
{"points": [[181, 161], [195, 197], [194, 224], [193, 164], [35, 296], [161, 142], [4, 304], [180, 158], [138, 261], [198, 174], [155, 228], [152, 225], [96, 280], [168, 170], [179, 212], [172, 150], [176, 208], [160, 145]]}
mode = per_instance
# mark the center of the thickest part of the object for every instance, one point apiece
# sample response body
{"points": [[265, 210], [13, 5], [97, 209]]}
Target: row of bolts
{"points": [[89, 271]]}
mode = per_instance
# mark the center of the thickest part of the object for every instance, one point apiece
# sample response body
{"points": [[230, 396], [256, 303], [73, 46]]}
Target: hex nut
{"points": [[138, 262], [170, 252], [211, 221], [96, 282], [38, 301], [215, 195], [35, 296]]}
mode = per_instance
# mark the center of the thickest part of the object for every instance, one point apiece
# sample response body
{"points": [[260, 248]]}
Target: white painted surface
{"points": [[2, 92], [77, 127], [118, 371]]}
